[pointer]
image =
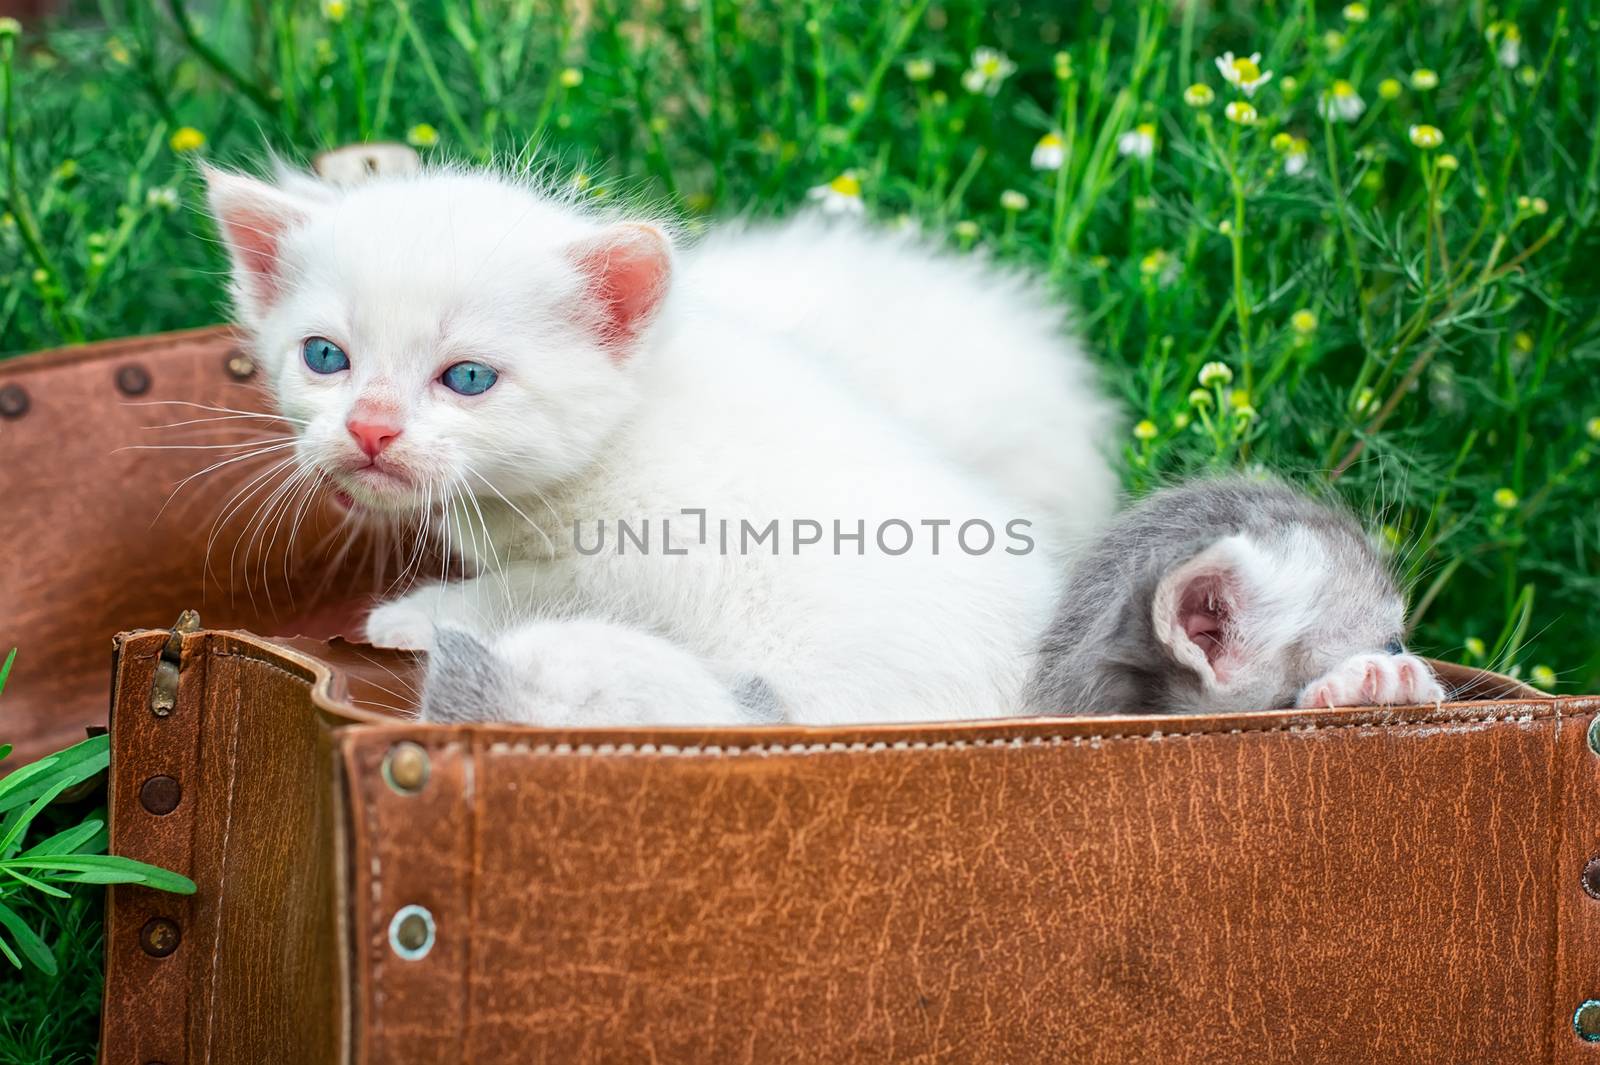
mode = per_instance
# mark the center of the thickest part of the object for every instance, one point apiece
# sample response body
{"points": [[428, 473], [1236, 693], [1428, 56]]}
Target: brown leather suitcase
{"points": [[1412, 885]]}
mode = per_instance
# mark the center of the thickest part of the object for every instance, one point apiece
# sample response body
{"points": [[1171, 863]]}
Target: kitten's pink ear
{"points": [[253, 218], [627, 270], [1197, 610]]}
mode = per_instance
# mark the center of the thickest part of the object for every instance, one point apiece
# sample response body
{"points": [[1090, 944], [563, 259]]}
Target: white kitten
{"points": [[466, 349], [575, 674]]}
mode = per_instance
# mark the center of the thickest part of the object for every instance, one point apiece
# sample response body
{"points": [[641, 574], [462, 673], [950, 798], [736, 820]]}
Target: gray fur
{"points": [[469, 680], [759, 699], [466, 681], [1102, 655]]}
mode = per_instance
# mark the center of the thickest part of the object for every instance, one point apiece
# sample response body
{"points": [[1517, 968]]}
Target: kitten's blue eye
{"points": [[469, 378], [1395, 647], [324, 356]]}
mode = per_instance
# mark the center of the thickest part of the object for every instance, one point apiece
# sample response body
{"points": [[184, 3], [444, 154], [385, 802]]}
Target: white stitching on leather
{"points": [[599, 750], [376, 908], [222, 868]]}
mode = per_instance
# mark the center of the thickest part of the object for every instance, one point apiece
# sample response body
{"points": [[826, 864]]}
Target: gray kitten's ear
{"points": [[466, 680], [253, 218], [1198, 606]]}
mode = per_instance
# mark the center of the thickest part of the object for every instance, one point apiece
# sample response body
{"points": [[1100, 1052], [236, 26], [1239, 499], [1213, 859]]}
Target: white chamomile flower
{"points": [[162, 196], [1161, 267], [990, 68], [1507, 40], [1139, 142], [1243, 71], [1297, 158], [1240, 113], [842, 195], [1296, 152], [1341, 103], [1215, 373], [1426, 137], [1050, 153]]}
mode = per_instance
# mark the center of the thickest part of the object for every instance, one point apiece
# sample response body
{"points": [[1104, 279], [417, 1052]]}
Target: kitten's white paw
{"points": [[1376, 679], [400, 625]]}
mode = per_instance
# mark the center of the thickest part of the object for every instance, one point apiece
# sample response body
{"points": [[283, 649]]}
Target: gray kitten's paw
{"points": [[400, 625], [1377, 679]]}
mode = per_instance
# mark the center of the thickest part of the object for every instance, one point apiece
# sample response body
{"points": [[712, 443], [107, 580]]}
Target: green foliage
{"points": [[54, 1017], [1403, 299], [1442, 287]]}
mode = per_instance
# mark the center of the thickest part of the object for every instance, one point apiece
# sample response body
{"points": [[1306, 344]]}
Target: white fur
{"points": [[576, 674], [800, 371], [1374, 680]]}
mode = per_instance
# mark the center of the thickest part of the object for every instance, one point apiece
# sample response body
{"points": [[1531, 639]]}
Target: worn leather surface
{"points": [[1326, 886], [87, 550], [1306, 886], [1343, 886], [256, 976]]}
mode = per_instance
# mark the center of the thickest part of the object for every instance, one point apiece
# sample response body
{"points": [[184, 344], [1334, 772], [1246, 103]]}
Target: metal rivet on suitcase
{"points": [[405, 767], [1591, 878], [160, 795], [1586, 1021], [13, 401], [133, 380], [159, 937], [239, 365], [411, 932], [1594, 734]]}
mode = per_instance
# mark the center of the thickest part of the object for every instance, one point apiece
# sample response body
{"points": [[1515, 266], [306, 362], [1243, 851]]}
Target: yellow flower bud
{"points": [[186, 139]]}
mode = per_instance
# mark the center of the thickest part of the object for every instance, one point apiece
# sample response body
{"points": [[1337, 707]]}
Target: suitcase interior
{"points": [[108, 528]]}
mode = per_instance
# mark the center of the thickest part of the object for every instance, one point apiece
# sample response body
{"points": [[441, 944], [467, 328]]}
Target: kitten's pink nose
{"points": [[372, 436]]}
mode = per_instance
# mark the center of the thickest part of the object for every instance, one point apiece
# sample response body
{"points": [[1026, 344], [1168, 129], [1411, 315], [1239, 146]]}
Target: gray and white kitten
{"points": [[1226, 595]]}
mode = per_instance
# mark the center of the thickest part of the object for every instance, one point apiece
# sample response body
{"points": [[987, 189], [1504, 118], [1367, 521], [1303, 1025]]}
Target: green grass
{"points": [[1440, 375], [1414, 328]]}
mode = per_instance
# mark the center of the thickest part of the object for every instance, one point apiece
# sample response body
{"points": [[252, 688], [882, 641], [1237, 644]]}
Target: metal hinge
{"points": [[164, 688]]}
